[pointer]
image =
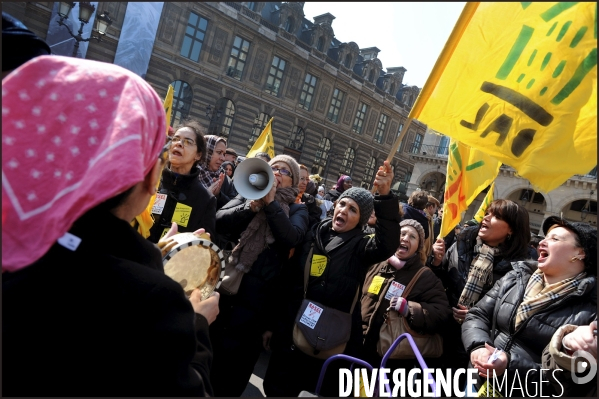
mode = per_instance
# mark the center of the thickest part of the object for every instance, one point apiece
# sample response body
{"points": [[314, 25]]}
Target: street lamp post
{"points": [[86, 10]]}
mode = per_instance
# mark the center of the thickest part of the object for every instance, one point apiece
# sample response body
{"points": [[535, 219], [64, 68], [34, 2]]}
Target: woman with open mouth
{"points": [[181, 199], [425, 308], [337, 253], [526, 307], [480, 256]]}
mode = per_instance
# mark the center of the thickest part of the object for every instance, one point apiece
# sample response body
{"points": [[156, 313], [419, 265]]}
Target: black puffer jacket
{"points": [[455, 267], [525, 345]]}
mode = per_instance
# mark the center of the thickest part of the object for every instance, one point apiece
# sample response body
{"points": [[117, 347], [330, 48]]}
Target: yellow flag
{"points": [[145, 220], [265, 142], [469, 171], [518, 80], [168, 105], [480, 214]]}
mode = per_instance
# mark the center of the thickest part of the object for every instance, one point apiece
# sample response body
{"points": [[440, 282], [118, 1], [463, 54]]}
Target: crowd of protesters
{"points": [[88, 310]]}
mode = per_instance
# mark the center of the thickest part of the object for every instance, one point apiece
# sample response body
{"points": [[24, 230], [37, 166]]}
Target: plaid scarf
{"points": [[206, 176], [539, 294], [481, 272]]}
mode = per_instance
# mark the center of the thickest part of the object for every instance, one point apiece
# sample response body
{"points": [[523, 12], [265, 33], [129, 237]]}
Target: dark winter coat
{"points": [[226, 194], [524, 345], [455, 267], [102, 320], [314, 210], [427, 303], [332, 195], [237, 332], [187, 190], [349, 255]]}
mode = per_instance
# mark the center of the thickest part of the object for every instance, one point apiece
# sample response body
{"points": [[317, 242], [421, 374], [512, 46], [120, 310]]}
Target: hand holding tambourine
{"points": [[192, 260]]}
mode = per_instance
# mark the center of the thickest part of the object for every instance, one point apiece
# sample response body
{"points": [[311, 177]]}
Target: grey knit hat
{"points": [[364, 199], [293, 165], [418, 227]]}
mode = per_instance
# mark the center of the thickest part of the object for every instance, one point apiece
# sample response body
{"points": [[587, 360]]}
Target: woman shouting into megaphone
{"points": [[265, 231]]}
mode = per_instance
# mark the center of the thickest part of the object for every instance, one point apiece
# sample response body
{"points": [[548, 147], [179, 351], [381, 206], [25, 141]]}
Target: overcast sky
{"points": [[411, 35]]}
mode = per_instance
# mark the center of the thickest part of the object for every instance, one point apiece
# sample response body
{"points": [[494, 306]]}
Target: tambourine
{"points": [[195, 263]]}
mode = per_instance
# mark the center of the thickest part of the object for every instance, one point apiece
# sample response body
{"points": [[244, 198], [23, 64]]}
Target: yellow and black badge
{"points": [[181, 214], [319, 263]]}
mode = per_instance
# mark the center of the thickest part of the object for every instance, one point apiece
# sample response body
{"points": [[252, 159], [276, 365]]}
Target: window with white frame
{"points": [[307, 93], [238, 58], [348, 161], [369, 172], [194, 36], [336, 103], [359, 119], [380, 129], [275, 76]]}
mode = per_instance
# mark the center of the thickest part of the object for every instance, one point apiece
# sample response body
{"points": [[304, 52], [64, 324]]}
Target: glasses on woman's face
{"points": [[184, 140], [282, 171]]}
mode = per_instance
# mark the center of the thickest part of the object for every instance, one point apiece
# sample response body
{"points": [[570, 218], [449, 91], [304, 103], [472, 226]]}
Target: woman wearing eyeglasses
{"points": [[181, 198], [265, 231]]}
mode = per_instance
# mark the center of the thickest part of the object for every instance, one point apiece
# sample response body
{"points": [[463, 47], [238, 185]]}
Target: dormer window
{"points": [[289, 25], [347, 62], [320, 44], [367, 57], [252, 6]]}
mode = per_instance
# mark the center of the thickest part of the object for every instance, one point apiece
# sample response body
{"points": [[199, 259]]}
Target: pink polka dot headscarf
{"points": [[74, 133]]}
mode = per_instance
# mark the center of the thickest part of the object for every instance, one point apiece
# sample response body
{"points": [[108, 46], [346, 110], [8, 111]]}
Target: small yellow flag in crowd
{"points": [[264, 143], [518, 81], [480, 214], [469, 171]]}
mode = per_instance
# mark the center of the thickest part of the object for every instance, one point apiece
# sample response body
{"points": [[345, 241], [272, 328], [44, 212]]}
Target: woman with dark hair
{"points": [[181, 198], [229, 168], [344, 183], [526, 307], [480, 256], [212, 175], [87, 309]]}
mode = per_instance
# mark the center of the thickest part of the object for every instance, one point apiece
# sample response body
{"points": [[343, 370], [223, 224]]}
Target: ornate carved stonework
{"points": [[295, 10], [350, 49], [218, 46], [168, 29], [392, 132], [324, 95], [259, 65], [294, 82], [373, 117], [349, 110]]}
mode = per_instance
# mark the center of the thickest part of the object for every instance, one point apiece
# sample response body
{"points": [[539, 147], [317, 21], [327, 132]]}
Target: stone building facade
{"points": [[235, 65]]}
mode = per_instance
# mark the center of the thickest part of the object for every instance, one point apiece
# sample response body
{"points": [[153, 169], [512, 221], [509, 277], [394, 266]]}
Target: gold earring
{"points": [[574, 259]]}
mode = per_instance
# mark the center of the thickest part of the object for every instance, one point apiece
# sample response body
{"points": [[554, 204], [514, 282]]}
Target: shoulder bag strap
{"points": [[307, 269], [412, 282]]}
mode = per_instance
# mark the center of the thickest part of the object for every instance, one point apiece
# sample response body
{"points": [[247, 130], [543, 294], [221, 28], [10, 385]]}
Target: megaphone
{"points": [[253, 178]]}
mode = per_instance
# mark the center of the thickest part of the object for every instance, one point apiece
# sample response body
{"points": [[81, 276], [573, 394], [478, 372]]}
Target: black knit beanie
{"points": [[364, 199]]}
